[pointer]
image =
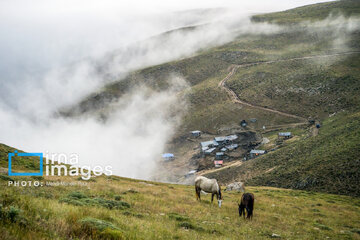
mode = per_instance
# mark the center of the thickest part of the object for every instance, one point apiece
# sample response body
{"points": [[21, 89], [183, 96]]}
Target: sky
{"points": [[45, 47]]}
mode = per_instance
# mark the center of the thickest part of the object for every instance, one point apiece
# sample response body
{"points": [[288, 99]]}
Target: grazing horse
{"points": [[209, 186], [247, 202]]}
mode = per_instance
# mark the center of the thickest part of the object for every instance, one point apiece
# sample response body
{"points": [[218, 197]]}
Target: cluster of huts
{"points": [[219, 145]]}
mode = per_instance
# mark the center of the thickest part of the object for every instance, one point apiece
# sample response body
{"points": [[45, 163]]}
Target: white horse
{"points": [[209, 186]]}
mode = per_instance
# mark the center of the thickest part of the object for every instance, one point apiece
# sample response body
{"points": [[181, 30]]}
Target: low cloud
{"points": [[52, 59]]}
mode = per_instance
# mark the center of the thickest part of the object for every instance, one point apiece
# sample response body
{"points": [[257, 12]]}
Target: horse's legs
{"points": [[248, 212], [212, 197], [197, 191], [241, 209]]}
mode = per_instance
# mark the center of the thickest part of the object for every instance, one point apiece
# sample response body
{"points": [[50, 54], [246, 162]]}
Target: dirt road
{"points": [[235, 98]]}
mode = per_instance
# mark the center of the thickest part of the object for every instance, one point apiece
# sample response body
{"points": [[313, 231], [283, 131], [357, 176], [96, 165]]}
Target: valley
{"points": [[274, 105]]}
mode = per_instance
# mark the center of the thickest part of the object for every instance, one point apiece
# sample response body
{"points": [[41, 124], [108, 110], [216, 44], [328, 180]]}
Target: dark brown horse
{"points": [[247, 202]]}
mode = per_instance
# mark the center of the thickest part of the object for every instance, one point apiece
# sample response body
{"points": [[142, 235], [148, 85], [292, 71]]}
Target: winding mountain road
{"points": [[236, 99]]}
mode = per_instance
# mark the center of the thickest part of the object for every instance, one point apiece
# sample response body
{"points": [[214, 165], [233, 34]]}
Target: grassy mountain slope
{"points": [[312, 12], [327, 162], [316, 88], [290, 86], [304, 87], [118, 208]]}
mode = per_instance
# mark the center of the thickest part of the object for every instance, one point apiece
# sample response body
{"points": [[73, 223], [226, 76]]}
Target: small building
{"points": [[168, 157], [231, 137], [209, 151], [208, 144], [196, 133], [219, 156], [243, 123], [232, 147], [218, 163], [253, 120], [255, 153], [224, 149], [226, 140], [285, 135], [220, 140]]}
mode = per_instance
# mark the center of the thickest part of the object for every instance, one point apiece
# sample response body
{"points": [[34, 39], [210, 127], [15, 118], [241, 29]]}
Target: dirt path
{"points": [[314, 131], [231, 164], [235, 98]]}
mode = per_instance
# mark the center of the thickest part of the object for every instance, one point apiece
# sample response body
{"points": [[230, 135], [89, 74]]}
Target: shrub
{"points": [[186, 225], [6, 178], [322, 226], [112, 234], [77, 195], [79, 199], [178, 217], [13, 213], [94, 224]]}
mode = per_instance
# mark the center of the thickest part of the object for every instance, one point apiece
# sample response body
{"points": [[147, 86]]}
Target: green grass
{"points": [[118, 208], [328, 162], [302, 87], [312, 12], [166, 211], [313, 88], [329, 84]]}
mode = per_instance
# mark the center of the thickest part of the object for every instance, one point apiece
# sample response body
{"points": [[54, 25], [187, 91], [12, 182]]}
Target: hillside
{"points": [[312, 12], [304, 66], [118, 208], [328, 162], [310, 69]]}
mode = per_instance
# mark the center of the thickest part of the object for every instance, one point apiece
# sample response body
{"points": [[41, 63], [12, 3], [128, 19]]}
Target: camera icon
{"points": [[10, 155]]}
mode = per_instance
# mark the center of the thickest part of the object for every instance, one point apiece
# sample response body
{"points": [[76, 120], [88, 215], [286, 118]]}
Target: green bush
{"points": [[13, 214], [79, 199], [6, 178], [77, 195], [178, 217], [117, 197], [112, 234]]}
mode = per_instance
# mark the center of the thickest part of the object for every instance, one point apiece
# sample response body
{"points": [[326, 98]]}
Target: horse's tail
{"points": [[219, 192], [251, 205]]}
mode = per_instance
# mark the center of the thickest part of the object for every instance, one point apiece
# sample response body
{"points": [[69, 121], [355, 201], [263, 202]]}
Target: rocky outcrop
{"points": [[236, 186]]}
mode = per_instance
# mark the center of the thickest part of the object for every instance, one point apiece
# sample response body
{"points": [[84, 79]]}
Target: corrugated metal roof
{"points": [[219, 162], [257, 151], [210, 150], [285, 134], [232, 146], [220, 139], [204, 149], [219, 154], [208, 143], [196, 131], [231, 137], [168, 155]]}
